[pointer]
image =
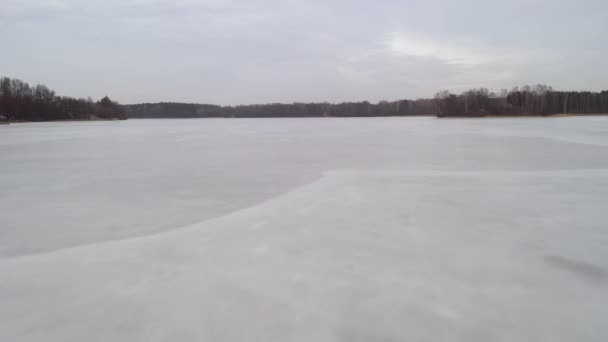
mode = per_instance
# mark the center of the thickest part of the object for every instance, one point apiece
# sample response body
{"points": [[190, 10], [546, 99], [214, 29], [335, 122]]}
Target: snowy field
{"points": [[380, 229]]}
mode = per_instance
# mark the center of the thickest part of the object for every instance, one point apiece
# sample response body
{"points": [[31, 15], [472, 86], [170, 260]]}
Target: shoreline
{"points": [[493, 116], [561, 115], [74, 120]]}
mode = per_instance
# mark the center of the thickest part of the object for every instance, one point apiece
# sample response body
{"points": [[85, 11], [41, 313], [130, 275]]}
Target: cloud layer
{"points": [[231, 52]]}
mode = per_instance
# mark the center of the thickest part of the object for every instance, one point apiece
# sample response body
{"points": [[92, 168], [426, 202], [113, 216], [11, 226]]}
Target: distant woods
{"points": [[537, 100], [21, 102], [527, 100], [277, 110]]}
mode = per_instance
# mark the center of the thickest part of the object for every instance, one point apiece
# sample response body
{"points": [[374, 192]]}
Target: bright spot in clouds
{"points": [[447, 51]]}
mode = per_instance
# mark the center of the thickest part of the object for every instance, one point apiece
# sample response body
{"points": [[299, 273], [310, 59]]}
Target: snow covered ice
{"points": [[380, 229]]}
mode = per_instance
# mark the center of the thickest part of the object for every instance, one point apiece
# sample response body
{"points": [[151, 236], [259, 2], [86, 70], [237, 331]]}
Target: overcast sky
{"points": [[258, 51]]}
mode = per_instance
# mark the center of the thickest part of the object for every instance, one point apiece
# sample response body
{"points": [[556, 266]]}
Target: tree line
{"points": [[527, 100], [21, 102], [275, 110]]}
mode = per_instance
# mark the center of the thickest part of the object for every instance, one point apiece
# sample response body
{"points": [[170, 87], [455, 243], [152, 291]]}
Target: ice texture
{"points": [[380, 229]]}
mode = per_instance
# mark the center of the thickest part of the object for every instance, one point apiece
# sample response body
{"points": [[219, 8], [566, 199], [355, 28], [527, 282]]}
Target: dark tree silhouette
{"points": [[275, 110], [527, 100], [109, 109], [20, 102]]}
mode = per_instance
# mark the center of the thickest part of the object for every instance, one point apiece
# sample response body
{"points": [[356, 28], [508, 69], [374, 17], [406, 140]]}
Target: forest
{"points": [[527, 100], [524, 101], [275, 110], [21, 102]]}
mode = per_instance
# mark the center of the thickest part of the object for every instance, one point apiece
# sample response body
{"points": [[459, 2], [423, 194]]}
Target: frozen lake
{"points": [[379, 229]]}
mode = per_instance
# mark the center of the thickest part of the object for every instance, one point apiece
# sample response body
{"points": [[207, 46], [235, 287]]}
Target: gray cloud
{"points": [[230, 52]]}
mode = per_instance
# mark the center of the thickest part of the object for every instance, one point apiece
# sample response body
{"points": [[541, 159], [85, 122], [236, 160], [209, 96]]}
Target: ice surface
{"points": [[385, 229]]}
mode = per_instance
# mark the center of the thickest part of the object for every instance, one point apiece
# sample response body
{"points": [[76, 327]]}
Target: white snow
{"points": [[385, 229]]}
